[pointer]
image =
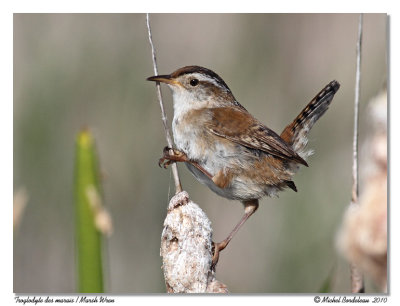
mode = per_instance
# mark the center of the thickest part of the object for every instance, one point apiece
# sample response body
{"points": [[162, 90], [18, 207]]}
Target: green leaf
{"points": [[88, 237]]}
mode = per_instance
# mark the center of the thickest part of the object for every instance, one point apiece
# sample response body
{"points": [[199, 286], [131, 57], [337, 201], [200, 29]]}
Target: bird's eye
{"points": [[194, 82]]}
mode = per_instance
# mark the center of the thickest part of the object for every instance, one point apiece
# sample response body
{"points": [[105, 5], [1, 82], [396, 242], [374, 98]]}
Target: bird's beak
{"points": [[167, 79]]}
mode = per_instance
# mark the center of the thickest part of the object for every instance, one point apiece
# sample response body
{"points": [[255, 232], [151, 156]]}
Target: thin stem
{"points": [[354, 198], [357, 282], [178, 186]]}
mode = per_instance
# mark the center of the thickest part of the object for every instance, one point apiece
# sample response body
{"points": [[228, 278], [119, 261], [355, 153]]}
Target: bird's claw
{"points": [[168, 158], [215, 257], [164, 161]]}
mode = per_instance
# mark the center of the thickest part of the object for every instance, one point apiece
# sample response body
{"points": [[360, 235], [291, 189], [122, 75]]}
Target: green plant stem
{"points": [[88, 237]]}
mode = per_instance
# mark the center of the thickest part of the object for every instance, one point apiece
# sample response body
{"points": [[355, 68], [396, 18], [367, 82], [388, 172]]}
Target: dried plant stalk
{"points": [[357, 281], [186, 240], [175, 174], [186, 249], [362, 238]]}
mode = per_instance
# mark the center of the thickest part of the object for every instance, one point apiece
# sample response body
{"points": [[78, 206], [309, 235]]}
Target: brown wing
{"points": [[241, 127]]}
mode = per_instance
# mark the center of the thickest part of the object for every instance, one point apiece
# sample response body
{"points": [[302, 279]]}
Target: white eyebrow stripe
{"points": [[203, 77]]}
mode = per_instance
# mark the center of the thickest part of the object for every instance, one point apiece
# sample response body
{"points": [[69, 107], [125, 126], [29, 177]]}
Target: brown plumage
{"points": [[241, 127], [228, 149]]}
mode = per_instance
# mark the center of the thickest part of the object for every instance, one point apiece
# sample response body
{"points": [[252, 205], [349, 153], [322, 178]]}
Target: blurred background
{"points": [[88, 70]]}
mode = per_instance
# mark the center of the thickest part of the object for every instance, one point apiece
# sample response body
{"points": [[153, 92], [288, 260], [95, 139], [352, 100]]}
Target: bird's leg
{"points": [[249, 208], [179, 156]]}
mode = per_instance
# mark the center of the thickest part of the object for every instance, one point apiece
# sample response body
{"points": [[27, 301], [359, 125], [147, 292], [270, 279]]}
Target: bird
{"points": [[227, 148]]}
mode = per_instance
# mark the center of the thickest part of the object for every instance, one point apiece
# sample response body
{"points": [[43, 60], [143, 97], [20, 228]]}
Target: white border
{"points": [[118, 6]]}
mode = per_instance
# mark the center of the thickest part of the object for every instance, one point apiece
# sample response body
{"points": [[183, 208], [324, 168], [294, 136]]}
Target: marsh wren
{"points": [[228, 149]]}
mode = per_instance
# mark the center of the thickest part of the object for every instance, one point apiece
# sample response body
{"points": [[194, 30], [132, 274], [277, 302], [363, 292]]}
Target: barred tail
{"points": [[296, 133]]}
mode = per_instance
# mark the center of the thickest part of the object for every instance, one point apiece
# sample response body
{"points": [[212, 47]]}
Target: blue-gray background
{"points": [[89, 70]]}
